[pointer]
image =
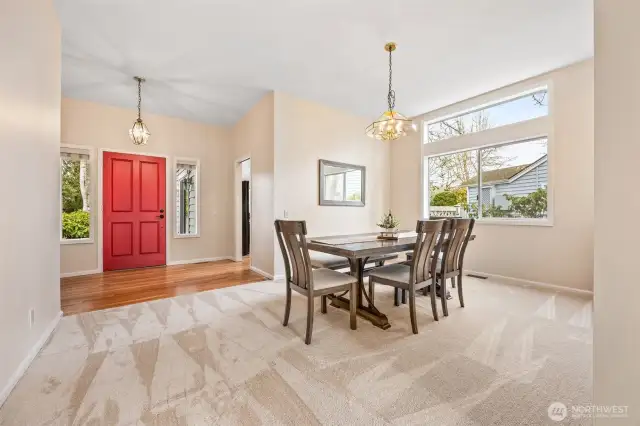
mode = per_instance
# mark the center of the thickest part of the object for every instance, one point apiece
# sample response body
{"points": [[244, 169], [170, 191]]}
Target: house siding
{"points": [[524, 185]]}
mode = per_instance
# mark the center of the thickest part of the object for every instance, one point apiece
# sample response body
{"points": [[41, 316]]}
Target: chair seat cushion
{"points": [[324, 279], [397, 272], [326, 260]]}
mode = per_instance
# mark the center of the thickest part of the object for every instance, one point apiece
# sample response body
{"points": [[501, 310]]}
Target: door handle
{"points": [[160, 217]]}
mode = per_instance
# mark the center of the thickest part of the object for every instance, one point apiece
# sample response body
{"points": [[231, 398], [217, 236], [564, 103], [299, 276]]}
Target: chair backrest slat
{"points": [[293, 244], [430, 237], [459, 232]]}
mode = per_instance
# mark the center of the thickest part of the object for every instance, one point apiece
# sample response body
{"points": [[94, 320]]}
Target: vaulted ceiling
{"points": [[211, 60]]}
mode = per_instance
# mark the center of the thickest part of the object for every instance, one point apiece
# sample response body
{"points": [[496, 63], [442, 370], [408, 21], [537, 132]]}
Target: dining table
{"points": [[358, 248]]}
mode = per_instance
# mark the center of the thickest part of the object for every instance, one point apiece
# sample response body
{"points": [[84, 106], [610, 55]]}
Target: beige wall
{"points": [[617, 152], [29, 169], [559, 255], [253, 137], [306, 132], [106, 127]]}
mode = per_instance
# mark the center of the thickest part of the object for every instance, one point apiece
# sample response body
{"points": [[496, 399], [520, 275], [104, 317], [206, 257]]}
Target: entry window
{"points": [[75, 184], [186, 198]]}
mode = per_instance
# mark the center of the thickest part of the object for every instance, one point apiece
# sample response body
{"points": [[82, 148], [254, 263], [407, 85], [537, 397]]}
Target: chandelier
{"points": [[139, 133], [390, 125]]}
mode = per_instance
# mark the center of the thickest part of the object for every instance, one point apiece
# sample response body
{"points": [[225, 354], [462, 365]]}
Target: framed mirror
{"points": [[341, 184]]}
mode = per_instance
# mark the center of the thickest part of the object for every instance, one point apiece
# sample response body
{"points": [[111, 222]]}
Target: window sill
{"points": [[179, 236], [78, 241], [515, 222]]}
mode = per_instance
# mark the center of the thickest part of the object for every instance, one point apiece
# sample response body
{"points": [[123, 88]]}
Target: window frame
{"points": [[91, 151], [523, 131], [176, 230]]}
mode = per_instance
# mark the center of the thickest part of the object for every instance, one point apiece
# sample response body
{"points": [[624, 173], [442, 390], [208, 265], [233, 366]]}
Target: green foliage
{"points": [[533, 205], [388, 221], [445, 198], [354, 197], [495, 211], [75, 225], [461, 195]]}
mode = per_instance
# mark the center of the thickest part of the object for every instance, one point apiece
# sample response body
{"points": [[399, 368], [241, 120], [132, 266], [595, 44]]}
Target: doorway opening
{"points": [[246, 209], [243, 211]]}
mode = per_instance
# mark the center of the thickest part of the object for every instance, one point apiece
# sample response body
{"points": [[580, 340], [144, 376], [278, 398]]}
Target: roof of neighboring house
{"points": [[505, 174]]}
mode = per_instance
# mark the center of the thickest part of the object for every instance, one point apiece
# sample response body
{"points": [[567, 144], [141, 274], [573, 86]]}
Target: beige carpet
{"points": [[223, 357]]}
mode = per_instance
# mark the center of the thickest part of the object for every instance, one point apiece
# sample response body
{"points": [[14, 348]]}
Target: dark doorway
{"points": [[246, 218]]}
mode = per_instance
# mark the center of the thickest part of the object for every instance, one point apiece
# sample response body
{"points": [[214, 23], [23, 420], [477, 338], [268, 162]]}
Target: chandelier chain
{"points": [[391, 96], [139, 97]]}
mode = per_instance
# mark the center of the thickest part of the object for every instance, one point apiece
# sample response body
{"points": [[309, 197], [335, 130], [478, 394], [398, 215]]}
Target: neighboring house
{"points": [[518, 181]]}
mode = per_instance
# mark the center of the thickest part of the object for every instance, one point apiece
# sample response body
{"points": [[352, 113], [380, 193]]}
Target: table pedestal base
{"points": [[371, 314]]}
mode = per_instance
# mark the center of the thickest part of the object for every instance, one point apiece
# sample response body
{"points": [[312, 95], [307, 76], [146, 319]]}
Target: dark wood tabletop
{"points": [[355, 246], [358, 246]]}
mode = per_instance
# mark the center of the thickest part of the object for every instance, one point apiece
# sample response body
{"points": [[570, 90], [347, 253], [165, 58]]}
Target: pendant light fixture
{"points": [[391, 125], [139, 133]]}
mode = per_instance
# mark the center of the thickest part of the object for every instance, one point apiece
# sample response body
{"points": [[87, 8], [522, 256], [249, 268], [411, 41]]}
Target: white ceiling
{"points": [[211, 60]]}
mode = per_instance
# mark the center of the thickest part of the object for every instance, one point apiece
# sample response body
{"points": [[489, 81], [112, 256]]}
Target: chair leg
{"points": [[353, 302], [287, 307], [310, 309], [412, 310], [434, 305], [371, 292], [453, 283], [460, 297], [323, 305], [396, 296], [425, 291], [443, 296], [404, 297]]}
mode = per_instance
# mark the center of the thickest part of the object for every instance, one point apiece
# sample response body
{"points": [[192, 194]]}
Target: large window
{"points": [[75, 183], [186, 180], [502, 175]]}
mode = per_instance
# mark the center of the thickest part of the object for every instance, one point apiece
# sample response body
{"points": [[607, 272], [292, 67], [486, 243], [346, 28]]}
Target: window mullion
{"points": [[479, 161]]}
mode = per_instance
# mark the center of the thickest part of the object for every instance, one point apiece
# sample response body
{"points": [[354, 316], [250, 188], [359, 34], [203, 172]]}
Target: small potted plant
{"points": [[390, 225]]}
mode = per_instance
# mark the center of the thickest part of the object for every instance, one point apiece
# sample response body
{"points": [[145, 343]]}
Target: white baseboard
{"points": [[190, 261], [279, 277], [79, 273], [528, 283], [24, 365], [261, 272]]}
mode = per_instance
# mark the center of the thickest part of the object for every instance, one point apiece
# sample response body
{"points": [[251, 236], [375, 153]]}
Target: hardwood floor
{"points": [[118, 288]]}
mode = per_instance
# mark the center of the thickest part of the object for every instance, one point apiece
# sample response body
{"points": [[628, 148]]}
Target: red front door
{"points": [[134, 211]]}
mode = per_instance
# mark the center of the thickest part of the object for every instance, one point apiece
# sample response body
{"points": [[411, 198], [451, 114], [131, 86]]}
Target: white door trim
{"points": [[167, 211]]}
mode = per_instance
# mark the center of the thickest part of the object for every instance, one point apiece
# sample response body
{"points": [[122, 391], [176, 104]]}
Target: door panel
{"points": [[150, 198], [134, 192], [122, 188], [149, 237]]}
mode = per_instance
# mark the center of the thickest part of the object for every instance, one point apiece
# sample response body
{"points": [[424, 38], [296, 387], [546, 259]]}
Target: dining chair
{"points": [[301, 277], [421, 272], [451, 264]]}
